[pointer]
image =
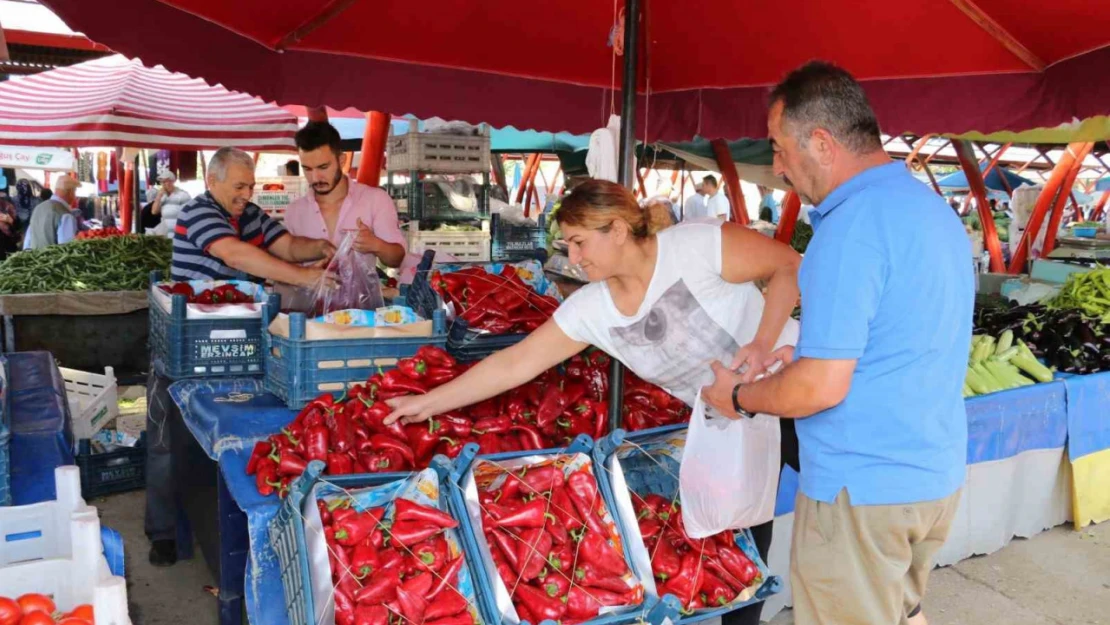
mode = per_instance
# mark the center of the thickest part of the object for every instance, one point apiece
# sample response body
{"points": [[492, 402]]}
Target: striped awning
{"points": [[119, 102]]}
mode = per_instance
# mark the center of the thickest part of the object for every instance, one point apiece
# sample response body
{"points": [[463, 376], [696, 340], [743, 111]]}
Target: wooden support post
{"points": [[1062, 197], [966, 154], [373, 148], [1047, 198], [732, 181], [791, 206]]}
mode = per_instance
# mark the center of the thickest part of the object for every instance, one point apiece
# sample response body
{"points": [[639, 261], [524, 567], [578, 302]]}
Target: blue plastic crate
{"points": [[116, 471], [5, 437], [287, 536], [205, 348], [299, 370], [652, 611], [1087, 232], [464, 344], [646, 474], [422, 199], [515, 242]]}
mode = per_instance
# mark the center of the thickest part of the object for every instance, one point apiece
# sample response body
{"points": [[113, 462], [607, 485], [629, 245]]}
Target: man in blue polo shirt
{"points": [[887, 296]]}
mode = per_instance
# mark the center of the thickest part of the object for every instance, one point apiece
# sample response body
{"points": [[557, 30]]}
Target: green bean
{"points": [[112, 264]]}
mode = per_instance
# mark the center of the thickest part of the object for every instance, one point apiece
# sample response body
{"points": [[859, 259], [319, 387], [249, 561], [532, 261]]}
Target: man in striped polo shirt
{"points": [[221, 235]]}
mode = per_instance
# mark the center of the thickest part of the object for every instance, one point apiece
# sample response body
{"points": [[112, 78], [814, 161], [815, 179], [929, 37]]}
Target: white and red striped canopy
{"points": [[114, 101]]}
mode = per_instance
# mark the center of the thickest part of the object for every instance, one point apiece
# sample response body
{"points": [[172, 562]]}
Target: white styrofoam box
{"points": [[215, 311], [296, 185], [93, 400], [473, 246], [54, 548]]}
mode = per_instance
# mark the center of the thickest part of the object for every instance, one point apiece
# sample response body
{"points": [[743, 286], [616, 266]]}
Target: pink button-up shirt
{"points": [[370, 204]]}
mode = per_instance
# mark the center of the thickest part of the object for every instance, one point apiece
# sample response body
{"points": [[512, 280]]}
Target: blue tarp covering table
{"points": [[1089, 446]]}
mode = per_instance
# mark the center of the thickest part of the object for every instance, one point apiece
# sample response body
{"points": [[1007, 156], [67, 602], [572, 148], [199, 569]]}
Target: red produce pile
{"points": [[645, 405], [701, 572], [551, 543], [404, 569], [497, 303], [223, 294], [100, 233]]}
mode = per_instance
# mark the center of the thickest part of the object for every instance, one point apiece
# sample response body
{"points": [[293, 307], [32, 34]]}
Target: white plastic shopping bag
{"points": [[730, 472]]}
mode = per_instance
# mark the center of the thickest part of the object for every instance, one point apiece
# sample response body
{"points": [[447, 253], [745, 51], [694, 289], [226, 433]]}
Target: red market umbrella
{"points": [[928, 65], [116, 102]]}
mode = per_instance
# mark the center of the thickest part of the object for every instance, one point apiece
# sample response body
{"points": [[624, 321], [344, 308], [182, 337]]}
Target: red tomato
{"points": [[72, 620], [84, 611], [34, 602], [38, 617], [9, 611]]}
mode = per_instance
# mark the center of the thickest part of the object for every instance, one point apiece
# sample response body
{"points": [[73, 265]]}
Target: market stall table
{"points": [[1089, 446]]}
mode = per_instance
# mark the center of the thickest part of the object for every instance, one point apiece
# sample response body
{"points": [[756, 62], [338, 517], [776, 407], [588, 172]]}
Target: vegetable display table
{"points": [[1089, 446], [87, 331]]}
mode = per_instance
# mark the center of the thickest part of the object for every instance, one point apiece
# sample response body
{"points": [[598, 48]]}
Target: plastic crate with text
{"points": [[205, 347], [116, 471], [5, 436], [467, 246], [469, 470], [464, 343], [643, 463], [93, 400], [437, 152], [299, 369], [295, 534], [518, 242]]}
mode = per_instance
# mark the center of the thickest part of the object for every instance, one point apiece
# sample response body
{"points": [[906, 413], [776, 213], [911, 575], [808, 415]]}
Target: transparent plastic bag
{"points": [[730, 472], [359, 287]]}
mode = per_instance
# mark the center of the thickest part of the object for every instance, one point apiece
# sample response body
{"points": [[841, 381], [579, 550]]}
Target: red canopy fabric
{"points": [[929, 65], [117, 102]]}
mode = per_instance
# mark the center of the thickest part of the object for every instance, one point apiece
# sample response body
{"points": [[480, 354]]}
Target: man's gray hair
{"points": [[67, 184], [822, 95], [217, 167]]}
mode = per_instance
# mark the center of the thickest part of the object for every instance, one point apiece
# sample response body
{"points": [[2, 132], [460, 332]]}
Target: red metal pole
{"points": [[497, 164], [640, 180], [731, 180], [1046, 199], [1097, 213], [373, 148], [1061, 200], [317, 113], [966, 155], [126, 180], [529, 171], [791, 206], [917, 148]]}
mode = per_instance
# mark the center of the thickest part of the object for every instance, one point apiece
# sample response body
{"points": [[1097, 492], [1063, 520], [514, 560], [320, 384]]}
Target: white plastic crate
{"points": [[54, 548], [93, 400], [441, 153], [296, 185], [465, 246]]}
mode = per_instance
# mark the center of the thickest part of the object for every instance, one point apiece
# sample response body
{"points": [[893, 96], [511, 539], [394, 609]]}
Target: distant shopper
{"points": [[716, 202], [168, 202], [695, 206], [9, 224], [51, 221]]}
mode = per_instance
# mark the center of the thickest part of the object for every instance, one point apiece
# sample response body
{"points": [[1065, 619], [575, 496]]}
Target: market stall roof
{"points": [[993, 180], [1103, 185], [1020, 64], [115, 101]]}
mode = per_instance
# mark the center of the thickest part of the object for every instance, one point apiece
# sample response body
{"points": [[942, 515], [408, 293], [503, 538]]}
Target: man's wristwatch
{"points": [[736, 403]]}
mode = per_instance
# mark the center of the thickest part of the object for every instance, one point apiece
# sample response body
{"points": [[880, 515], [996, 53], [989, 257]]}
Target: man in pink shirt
{"points": [[338, 205]]}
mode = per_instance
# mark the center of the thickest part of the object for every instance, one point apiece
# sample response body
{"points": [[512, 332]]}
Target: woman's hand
{"points": [[410, 409], [754, 358]]}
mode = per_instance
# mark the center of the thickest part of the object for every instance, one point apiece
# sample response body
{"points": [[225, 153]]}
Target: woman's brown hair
{"points": [[596, 204]]}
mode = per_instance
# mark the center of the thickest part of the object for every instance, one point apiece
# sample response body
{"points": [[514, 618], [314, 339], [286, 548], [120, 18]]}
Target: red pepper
{"points": [[564, 510], [462, 618], [384, 442], [686, 583], [423, 438], [562, 558], [715, 590], [341, 431], [539, 604], [382, 461], [735, 562], [316, 443], [449, 578], [601, 419], [261, 450], [719, 570], [530, 437], [266, 478], [325, 514], [205, 297], [289, 463], [493, 425], [555, 401], [506, 545], [410, 534], [419, 584], [340, 464], [407, 510], [353, 529], [531, 515], [413, 368], [341, 569], [431, 555], [449, 604], [555, 584], [581, 603], [582, 488], [452, 447], [382, 588], [435, 356], [364, 559], [413, 606], [532, 552], [344, 608], [396, 380], [366, 614], [495, 326], [392, 561], [490, 444], [438, 376], [455, 424], [665, 561], [375, 418], [595, 549]]}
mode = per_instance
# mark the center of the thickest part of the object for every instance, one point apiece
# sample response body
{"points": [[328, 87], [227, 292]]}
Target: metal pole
{"points": [[624, 166]]}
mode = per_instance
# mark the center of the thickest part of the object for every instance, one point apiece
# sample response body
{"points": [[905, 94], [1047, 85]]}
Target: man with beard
{"points": [[338, 205]]}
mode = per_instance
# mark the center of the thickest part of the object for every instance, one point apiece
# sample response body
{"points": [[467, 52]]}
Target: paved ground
{"points": [[1060, 577]]}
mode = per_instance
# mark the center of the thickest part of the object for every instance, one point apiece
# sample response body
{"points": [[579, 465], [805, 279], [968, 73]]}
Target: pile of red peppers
{"points": [[551, 545], [100, 233], [700, 572], [497, 303], [223, 294], [400, 571]]}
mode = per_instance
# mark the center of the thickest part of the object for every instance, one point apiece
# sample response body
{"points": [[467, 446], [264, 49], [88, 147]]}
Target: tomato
{"points": [[84, 611], [33, 601], [70, 620], [38, 617], [9, 611]]}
